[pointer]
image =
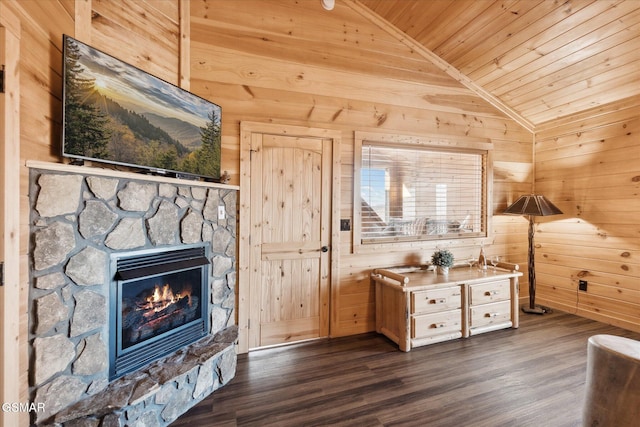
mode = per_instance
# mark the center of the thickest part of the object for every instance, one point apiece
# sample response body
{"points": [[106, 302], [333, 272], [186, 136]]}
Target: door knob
{"points": [[325, 249]]}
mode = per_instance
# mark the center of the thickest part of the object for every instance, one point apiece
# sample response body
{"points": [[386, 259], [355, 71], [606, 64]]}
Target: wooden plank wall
{"points": [[144, 34], [292, 63], [589, 163], [295, 63]]}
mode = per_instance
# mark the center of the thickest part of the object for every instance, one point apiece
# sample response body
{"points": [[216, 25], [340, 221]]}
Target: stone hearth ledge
{"points": [[161, 392]]}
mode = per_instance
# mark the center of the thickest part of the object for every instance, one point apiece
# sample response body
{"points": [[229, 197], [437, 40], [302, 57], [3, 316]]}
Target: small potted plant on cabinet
{"points": [[442, 259]]}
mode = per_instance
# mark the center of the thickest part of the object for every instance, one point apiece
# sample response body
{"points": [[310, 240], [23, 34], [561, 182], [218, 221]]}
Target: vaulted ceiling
{"points": [[539, 59]]}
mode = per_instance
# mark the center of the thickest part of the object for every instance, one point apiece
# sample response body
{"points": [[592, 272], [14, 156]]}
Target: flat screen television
{"points": [[116, 113]]}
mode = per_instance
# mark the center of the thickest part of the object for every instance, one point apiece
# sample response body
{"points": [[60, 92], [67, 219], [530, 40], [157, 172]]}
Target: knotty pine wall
{"points": [[589, 163], [295, 63], [291, 63]]}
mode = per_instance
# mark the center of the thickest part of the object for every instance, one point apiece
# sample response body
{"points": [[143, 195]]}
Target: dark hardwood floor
{"points": [[531, 376]]}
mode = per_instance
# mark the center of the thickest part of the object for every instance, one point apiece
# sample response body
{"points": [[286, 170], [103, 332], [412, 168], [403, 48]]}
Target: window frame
{"points": [[428, 142]]}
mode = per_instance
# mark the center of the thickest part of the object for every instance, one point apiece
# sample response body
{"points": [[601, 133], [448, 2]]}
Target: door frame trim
{"points": [[12, 295], [247, 129]]}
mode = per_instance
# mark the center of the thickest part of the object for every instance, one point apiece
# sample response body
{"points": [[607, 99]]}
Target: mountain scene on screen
{"points": [[117, 113]]}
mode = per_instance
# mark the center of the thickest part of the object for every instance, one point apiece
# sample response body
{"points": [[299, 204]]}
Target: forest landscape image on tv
{"points": [[117, 113]]}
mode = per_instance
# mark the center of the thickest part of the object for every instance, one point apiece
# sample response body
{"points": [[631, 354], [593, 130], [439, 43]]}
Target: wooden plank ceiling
{"points": [[543, 59]]}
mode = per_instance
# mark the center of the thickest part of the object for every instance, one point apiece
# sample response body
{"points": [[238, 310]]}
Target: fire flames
{"points": [[162, 298]]}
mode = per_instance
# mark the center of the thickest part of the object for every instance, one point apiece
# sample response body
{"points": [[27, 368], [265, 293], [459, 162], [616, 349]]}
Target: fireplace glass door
{"points": [[159, 304], [155, 305]]}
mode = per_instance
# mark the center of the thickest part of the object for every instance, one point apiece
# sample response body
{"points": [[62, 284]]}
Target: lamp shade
{"points": [[535, 205]]}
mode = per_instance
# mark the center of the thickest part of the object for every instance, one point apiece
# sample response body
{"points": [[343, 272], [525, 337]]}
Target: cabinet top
{"points": [[414, 279]]}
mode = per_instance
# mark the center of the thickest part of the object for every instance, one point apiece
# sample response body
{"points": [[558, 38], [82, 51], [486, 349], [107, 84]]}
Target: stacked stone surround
{"points": [[77, 221]]}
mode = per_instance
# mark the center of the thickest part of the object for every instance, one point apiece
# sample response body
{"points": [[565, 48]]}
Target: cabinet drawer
{"points": [[487, 314], [427, 325], [435, 300], [483, 293]]}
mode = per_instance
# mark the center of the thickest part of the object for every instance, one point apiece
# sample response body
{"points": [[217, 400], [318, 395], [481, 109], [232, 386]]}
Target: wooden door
{"points": [[290, 233]]}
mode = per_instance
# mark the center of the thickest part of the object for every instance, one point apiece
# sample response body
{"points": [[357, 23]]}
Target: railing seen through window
{"points": [[421, 192]]}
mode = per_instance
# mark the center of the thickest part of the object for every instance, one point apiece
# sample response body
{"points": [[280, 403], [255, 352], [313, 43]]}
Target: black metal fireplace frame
{"points": [[141, 264]]}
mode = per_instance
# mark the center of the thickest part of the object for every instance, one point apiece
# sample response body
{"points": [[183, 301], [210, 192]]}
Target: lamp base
{"points": [[536, 310]]}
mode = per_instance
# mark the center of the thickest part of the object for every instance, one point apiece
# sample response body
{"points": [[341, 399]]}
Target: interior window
{"points": [[419, 191]]}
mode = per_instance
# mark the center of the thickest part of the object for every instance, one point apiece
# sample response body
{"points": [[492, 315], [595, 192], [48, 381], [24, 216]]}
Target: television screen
{"points": [[116, 113]]}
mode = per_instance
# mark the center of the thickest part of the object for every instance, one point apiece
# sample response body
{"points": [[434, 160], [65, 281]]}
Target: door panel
{"points": [[290, 216]]}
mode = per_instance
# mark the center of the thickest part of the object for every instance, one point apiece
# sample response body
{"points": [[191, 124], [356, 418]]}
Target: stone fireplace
{"points": [[132, 295]]}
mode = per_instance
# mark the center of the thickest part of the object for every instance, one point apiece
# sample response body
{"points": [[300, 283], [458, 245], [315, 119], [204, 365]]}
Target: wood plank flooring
{"points": [[531, 376]]}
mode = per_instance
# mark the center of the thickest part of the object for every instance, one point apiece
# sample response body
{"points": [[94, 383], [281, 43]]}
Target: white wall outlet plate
{"points": [[222, 213]]}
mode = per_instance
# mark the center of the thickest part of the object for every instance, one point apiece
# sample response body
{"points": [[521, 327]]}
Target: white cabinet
{"points": [[418, 307]]}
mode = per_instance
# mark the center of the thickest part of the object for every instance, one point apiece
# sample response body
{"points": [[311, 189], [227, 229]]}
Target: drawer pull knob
{"points": [[437, 301], [491, 314], [489, 293], [437, 325]]}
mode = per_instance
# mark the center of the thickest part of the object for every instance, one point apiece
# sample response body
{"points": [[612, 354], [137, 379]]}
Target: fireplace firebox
{"points": [[158, 304]]}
